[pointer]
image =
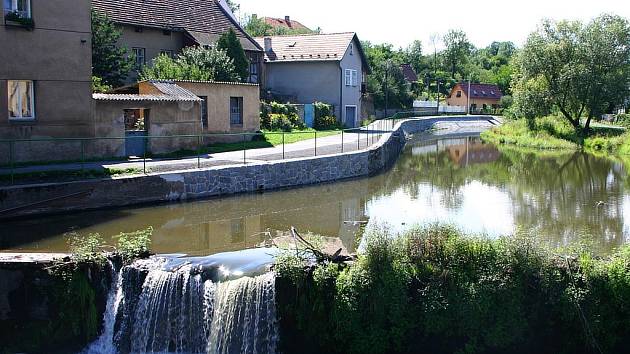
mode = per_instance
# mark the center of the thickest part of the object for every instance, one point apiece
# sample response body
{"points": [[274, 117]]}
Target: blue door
{"points": [[309, 115], [136, 128], [351, 116]]}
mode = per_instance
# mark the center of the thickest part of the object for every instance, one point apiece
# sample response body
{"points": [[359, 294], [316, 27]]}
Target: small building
{"points": [[482, 96], [151, 28], [287, 24], [328, 68], [40, 66], [409, 74], [167, 110]]}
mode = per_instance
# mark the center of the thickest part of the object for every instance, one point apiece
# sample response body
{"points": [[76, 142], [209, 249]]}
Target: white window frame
{"points": [[19, 98], [355, 78], [14, 8], [348, 77]]}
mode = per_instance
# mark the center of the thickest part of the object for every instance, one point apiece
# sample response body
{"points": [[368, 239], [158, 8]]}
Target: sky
{"points": [[400, 22]]}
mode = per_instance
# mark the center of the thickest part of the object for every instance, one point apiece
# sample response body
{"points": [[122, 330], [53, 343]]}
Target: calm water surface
{"points": [[560, 198]]}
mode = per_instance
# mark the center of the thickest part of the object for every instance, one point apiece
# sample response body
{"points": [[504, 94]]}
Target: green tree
{"points": [[110, 64], [232, 46], [234, 7], [413, 56], [457, 52], [578, 69], [194, 63], [257, 27], [386, 82]]}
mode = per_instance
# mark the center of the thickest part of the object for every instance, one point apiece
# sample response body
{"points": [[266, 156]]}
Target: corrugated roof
{"points": [[169, 92], [172, 89], [200, 16], [132, 97], [308, 47]]}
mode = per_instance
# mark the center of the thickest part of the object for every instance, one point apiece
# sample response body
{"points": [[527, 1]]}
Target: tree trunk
{"points": [[587, 126]]}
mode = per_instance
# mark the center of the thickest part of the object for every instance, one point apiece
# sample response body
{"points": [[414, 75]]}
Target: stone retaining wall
{"points": [[210, 182]]}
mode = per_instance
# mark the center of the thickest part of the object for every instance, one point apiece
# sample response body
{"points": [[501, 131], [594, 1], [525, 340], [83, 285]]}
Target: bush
{"points": [[279, 122], [436, 290], [323, 110], [327, 123], [623, 120], [134, 245], [274, 116]]}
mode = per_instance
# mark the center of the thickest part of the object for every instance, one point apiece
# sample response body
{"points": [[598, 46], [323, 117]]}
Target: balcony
{"points": [[18, 18]]}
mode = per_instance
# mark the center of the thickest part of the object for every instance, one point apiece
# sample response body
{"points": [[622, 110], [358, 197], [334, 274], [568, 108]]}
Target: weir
{"points": [[174, 304]]}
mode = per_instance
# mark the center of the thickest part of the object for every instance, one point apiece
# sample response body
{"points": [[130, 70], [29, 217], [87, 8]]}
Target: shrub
{"points": [[134, 245], [279, 122], [323, 110], [86, 249], [623, 120], [327, 123], [274, 116]]}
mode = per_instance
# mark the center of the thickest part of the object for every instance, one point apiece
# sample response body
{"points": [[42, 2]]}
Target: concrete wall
{"points": [[56, 55], [218, 95]]}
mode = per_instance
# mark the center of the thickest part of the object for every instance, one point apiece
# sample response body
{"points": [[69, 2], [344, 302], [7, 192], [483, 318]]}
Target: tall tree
{"points": [[386, 82], [229, 43], [413, 56], [578, 69], [110, 64], [457, 52], [257, 27], [194, 63]]}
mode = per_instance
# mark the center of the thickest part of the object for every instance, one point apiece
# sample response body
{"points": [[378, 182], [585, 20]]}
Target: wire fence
{"points": [[32, 160]]}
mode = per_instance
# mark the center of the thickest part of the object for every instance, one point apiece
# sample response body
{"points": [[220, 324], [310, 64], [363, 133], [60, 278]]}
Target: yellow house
{"points": [[482, 96]]}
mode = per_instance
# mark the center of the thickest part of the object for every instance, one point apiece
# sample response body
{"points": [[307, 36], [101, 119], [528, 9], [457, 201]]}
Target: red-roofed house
{"points": [[288, 24], [482, 96]]}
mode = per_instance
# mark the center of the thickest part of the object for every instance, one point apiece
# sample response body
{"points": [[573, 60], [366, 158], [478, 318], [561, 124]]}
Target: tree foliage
{"points": [[110, 63], [257, 27], [229, 43], [386, 82], [579, 69], [194, 63], [457, 52]]}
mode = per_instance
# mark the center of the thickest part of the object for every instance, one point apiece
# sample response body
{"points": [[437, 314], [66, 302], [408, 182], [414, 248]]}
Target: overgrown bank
{"points": [[435, 290], [556, 133]]}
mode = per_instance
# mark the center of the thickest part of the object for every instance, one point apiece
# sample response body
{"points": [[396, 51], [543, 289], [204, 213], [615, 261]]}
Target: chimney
{"points": [[268, 47], [287, 19]]}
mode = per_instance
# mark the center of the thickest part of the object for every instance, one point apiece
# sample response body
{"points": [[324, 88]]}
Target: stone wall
{"points": [[209, 182]]}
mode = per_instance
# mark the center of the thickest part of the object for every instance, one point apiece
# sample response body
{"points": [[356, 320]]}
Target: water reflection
{"points": [[558, 197]]}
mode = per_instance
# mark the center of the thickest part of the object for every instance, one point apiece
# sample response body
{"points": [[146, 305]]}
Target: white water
{"points": [[178, 309]]}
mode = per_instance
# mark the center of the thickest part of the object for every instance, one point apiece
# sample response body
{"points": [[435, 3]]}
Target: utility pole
{"points": [[468, 96], [438, 97], [386, 86]]}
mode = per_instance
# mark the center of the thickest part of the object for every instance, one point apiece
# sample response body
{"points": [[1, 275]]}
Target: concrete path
{"points": [[346, 142]]}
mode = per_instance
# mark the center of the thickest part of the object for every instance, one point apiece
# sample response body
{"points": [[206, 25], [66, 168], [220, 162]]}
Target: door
{"points": [[351, 116], [136, 128], [309, 115]]}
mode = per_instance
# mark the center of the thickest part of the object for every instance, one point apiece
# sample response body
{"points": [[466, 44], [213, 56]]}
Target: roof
{"points": [[282, 22], [192, 16], [169, 91], [481, 90], [408, 72], [311, 47]]}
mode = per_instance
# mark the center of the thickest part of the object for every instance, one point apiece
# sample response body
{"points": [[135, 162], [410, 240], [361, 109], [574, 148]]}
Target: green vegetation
{"points": [[193, 63], [257, 27], [134, 245], [552, 132], [110, 63], [70, 175], [229, 43], [578, 70], [437, 290]]}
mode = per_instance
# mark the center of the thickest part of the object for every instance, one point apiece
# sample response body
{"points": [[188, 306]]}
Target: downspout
{"points": [[341, 78]]}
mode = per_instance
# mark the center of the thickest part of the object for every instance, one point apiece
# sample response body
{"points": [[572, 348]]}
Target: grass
{"points": [[437, 290], [554, 133]]}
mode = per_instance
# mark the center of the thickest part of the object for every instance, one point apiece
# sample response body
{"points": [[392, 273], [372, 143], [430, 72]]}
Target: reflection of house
{"points": [[482, 96], [472, 153], [151, 28], [329, 68], [40, 68], [163, 108]]}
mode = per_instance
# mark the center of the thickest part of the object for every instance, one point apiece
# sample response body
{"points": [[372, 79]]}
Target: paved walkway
{"points": [[346, 142]]}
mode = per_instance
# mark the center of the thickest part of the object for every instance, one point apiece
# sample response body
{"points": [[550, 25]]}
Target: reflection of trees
{"points": [[560, 196]]}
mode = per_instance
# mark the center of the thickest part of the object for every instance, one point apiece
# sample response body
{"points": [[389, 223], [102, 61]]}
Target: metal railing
{"points": [[28, 159]]}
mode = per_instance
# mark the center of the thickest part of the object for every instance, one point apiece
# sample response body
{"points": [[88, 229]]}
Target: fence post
{"points": [[315, 143], [283, 145], [198, 151], [82, 155], [359, 139], [145, 139], [244, 151], [11, 148], [342, 140]]}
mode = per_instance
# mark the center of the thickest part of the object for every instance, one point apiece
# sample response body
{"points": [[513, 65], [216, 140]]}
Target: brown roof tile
{"points": [[200, 16], [481, 90], [281, 22]]}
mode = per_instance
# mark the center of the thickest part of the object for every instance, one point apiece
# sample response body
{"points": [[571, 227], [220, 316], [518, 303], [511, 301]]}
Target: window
{"points": [[21, 100], [204, 111], [22, 8], [253, 69], [168, 53], [351, 77], [351, 49], [458, 94], [236, 110], [140, 57]]}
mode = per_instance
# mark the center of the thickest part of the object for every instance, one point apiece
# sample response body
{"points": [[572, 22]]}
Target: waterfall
{"points": [[190, 305]]}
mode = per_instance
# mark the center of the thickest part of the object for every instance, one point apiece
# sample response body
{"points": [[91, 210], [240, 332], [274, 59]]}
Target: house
{"points": [[154, 27], [481, 97], [287, 24], [45, 59], [161, 108], [409, 74], [328, 68]]}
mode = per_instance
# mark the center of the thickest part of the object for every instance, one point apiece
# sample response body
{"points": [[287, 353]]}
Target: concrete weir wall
{"points": [[211, 182]]}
